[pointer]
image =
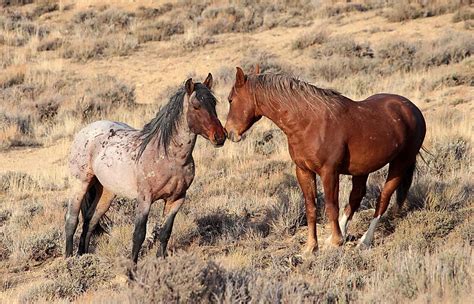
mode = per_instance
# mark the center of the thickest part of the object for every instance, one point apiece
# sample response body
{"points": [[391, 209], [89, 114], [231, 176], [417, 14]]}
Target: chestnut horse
{"points": [[329, 134], [111, 158]]}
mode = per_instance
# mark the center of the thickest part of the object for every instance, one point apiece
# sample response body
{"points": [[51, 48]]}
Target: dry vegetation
{"points": [[64, 64]]}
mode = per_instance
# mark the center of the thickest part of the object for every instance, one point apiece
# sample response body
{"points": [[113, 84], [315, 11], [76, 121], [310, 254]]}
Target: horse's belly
{"points": [[117, 176], [371, 159]]}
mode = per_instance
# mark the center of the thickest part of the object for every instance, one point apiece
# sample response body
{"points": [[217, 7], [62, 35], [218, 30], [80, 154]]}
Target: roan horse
{"points": [[111, 158], [329, 134]]}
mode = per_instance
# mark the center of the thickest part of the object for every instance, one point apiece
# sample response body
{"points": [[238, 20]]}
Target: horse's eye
{"points": [[230, 100]]}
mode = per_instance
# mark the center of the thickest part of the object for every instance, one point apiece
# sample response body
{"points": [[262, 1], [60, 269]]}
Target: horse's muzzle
{"points": [[234, 136], [218, 139]]}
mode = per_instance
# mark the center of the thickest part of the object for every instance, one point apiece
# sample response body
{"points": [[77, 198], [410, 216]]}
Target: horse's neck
{"points": [[182, 142], [180, 147], [286, 117]]}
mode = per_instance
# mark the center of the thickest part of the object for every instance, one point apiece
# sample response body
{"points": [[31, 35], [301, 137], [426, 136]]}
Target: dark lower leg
{"points": [[102, 206], [165, 234], [140, 230], [170, 210], [72, 219]]}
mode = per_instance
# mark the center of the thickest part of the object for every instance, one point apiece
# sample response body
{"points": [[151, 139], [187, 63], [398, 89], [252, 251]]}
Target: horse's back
{"points": [[400, 109], [381, 128], [86, 143]]}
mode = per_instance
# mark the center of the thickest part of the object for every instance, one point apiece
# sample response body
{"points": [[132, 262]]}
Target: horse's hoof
{"points": [[363, 246], [333, 243]]}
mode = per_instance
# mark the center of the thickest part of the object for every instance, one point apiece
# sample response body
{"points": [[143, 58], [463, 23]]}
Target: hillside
{"points": [[239, 235]]}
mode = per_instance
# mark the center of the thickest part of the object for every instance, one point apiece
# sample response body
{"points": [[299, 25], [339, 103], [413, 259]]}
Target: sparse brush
{"points": [[12, 76], [268, 62], [412, 9], [397, 56], [335, 67], [67, 279], [310, 38], [464, 13], [181, 277], [109, 95], [49, 44], [342, 8], [345, 46], [159, 31], [43, 246], [421, 230], [11, 181], [451, 48], [196, 39]]}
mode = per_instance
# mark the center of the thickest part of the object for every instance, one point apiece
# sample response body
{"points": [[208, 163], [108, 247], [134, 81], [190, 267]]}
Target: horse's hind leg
{"points": [[359, 187], [396, 172], [88, 206], [72, 215], [101, 208]]}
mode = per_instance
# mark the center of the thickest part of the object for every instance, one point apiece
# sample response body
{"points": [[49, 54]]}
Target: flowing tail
{"points": [[88, 207], [402, 190]]}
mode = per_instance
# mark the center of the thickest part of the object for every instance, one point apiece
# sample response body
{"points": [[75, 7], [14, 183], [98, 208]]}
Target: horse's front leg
{"points": [[170, 211], [330, 180], [143, 209], [307, 181]]}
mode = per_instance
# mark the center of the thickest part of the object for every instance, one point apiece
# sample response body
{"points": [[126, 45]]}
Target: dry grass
{"points": [[238, 237]]}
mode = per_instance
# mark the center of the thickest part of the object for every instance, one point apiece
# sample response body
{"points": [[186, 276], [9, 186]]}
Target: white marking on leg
{"points": [[368, 236], [343, 224]]}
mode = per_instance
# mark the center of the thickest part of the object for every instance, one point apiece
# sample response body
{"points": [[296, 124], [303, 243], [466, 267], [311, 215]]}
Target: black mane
{"points": [[164, 125]]}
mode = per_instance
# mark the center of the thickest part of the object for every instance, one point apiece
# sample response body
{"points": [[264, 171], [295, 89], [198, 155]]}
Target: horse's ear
{"points": [[239, 78], [257, 69], [189, 85], [209, 81]]}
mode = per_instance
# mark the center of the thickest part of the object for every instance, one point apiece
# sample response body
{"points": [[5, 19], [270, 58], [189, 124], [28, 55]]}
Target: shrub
{"points": [[268, 62], [51, 44], [109, 95], [310, 38], [101, 23], [397, 56], [343, 46], [158, 31], [225, 74], [449, 156], [269, 143], [44, 7], [153, 12], [342, 8], [10, 181], [196, 39], [451, 48], [334, 67], [179, 278], [464, 13], [226, 19], [69, 278], [47, 108], [12, 76], [43, 246], [80, 50], [422, 229], [412, 9]]}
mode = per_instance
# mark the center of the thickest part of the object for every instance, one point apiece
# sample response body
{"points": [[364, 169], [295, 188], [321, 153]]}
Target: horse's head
{"points": [[201, 111], [242, 112]]}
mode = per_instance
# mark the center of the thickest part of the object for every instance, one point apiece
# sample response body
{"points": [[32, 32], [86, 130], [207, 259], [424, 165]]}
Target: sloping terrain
{"points": [[238, 238]]}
